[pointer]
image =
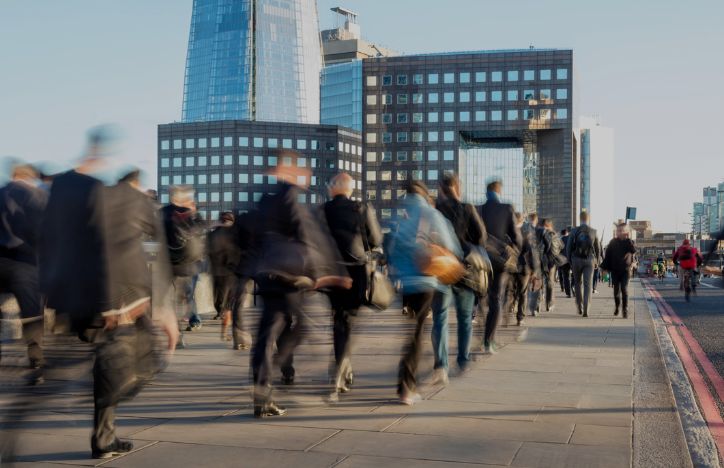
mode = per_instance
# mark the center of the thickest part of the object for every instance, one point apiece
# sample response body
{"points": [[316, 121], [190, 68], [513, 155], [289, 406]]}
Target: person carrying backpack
{"points": [[549, 251], [583, 252], [687, 258]]}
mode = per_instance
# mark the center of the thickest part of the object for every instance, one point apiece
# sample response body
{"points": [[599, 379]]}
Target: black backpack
{"points": [[583, 244]]}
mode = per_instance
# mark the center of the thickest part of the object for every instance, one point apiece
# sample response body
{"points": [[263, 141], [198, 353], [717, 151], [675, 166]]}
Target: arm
{"points": [[476, 229], [372, 227], [444, 233], [513, 231]]}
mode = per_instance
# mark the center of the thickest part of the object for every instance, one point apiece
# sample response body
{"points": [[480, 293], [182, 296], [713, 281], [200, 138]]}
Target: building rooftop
{"points": [[487, 52]]}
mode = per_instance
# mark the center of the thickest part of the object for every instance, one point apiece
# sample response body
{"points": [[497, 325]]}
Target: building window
{"points": [[386, 80], [215, 160], [432, 136], [512, 114], [545, 75], [400, 194], [228, 160], [371, 137], [417, 137], [371, 195], [417, 98], [243, 196], [201, 197], [449, 98], [401, 118], [479, 96], [416, 174], [512, 75], [189, 180], [177, 162], [371, 156], [402, 99], [481, 77], [401, 137], [432, 117], [371, 100], [417, 117], [177, 180], [562, 74], [433, 98], [401, 176], [529, 114], [496, 115], [164, 144], [258, 178], [528, 95], [528, 75], [257, 196], [202, 142], [448, 78], [386, 137], [561, 93], [432, 78], [243, 178], [545, 114], [386, 213], [402, 155], [465, 96], [190, 143], [496, 76], [371, 80], [496, 96], [215, 196], [215, 142], [386, 175], [448, 116], [387, 99], [432, 155], [371, 176], [386, 156], [480, 116], [465, 77], [201, 179], [402, 80], [561, 114], [302, 180], [464, 116], [386, 194], [258, 142], [258, 160], [386, 118], [417, 79], [243, 160], [164, 180], [214, 178], [432, 174], [315, 144], [177, 144], [512, 95], [227, 196], [371, 119], [545, 94], [448, 155], [228, 141], [272, 142], [243, 141], [227, 178], [164, 162], [417, 155], [448, 136]]}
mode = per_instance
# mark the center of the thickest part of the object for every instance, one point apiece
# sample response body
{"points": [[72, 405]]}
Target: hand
{"points": [[169, 326], [343, 282]]}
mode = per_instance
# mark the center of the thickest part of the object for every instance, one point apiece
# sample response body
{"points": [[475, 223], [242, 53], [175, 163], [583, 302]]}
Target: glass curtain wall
{"points": [[341, 95], [482, 162]]}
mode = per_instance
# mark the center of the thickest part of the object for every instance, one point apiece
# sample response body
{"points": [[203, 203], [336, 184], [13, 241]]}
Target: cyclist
{"points": [[655, 270], [688, 259], [662, 270]]}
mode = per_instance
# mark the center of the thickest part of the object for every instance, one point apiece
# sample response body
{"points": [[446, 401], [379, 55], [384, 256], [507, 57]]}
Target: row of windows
{"points": [[466, 77], [243, 160], [402, 175], [416, 155], [511, 95], [258, 142], [217, 197], [462, 116], [203, 179]]}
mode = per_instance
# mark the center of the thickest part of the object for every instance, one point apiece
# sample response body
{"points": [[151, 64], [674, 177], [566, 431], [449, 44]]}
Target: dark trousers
{"points": [[564, 275], [345, 304], [281, 323], [549, 280], [496, 299], [518, 294], [21, 280], [419, 304], [583, 279], [620, 288], [239, 333]]}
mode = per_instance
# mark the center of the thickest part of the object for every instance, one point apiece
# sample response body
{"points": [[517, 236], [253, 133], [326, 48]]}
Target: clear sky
{"points": [[652, 69]]}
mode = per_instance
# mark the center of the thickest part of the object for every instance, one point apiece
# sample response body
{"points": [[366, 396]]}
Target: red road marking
{"points": [[706, 400]]}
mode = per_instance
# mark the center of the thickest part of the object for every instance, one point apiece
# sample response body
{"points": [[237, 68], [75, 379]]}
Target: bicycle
{"points": [[688, 284]]}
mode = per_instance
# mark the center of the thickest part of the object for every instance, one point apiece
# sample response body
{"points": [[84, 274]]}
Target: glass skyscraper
{"points": [[253, 60], [341, 95]]}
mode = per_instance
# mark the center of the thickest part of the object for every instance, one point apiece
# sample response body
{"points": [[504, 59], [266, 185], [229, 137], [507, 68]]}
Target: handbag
{"points": [[435, 260], [379, 291], [477, 271], [503, 256]]}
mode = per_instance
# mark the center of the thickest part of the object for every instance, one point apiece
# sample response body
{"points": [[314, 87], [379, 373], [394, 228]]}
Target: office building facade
{"points": [[253, 60], [483, 115], [596, 163], [226, 162], [341, 95]]}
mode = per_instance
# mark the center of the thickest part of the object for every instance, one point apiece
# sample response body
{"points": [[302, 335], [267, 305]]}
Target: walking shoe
{"points": [[585, 314], [550, 308], [439, 377], [580, 312], [268, 409], [410, 398], [241, 347], [287, 380], [615, 312], [491, 348], [521, 322], [625, 313], [118, 447], [568, 296]]}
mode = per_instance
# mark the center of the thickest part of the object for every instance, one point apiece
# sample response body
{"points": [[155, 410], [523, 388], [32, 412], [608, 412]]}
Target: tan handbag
{"points": [[435, 260]]}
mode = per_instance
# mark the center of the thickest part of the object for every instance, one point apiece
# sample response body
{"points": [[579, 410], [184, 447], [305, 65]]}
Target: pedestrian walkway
{"points": [[559, 393]]}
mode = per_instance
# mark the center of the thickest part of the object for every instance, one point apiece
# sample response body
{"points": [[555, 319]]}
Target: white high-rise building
{"points": [[596, 165]]}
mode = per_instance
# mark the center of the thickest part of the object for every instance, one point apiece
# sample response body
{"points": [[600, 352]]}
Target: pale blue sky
{"points": [[653, 70]]}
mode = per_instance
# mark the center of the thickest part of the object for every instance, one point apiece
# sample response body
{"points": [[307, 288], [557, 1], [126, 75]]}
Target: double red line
{"points": [[690, 352]]}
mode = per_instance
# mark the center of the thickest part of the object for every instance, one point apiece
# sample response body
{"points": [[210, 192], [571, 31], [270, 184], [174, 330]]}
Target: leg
{"points": [[273, 321], [522, 291], [440, 306], [291, 335], [549, 288], [624, 292], [419, 304], [577, 278], [495, 297], [464, 303], [22, 281], [241, 337], [587, 285], [616, 278]]}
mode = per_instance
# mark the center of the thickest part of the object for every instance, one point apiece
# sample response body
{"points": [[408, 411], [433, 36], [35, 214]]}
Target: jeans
{"points": [[418, 304], [464, 303], [518, 294], [620, 289], [583, 278], [185, 287], [496, 299]]}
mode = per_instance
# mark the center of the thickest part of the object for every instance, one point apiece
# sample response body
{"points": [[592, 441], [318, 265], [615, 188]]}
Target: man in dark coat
{"points": [[499, 220], [564, 271], [619, 258], [224, 257], [356, 232], [583, 251], [21, 207]]}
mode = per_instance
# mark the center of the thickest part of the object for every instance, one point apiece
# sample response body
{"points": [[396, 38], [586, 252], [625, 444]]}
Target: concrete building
{"points": [[596, 153], [226, 161], [345, 44]]}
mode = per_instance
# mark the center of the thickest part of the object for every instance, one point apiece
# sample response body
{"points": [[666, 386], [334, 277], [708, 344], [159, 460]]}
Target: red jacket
{"points": [[687, 262]]}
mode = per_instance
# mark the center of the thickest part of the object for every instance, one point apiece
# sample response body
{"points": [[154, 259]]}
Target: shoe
{"points": [[550, 308], [118, 447], [585, 314], [287, 380], [625, 313], [534, 314], [491, 348], [268, 409], [35, 364], [410, 398], [240, 347], [615, 312], [181, 343], [349, 379], [568, 296], [439, 377], [595, 291], [580, 312], [333, 398], [521, 322]]}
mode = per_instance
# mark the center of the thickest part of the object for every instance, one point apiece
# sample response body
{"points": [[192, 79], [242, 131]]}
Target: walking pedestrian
{"points": [[618, 262], [583, 252], [21, 207], [549, 247], [185, 240], [528, 268], [564, 271], [499, 220], [224, 257], [354, 227], [422, 231], [246, 240], [470, 232]]}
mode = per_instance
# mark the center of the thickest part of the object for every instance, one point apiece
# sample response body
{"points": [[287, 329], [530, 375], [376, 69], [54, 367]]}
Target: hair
{"points": [[519, 217], [585, 216], [181, 194], [24, 171], [341, 184], [564, 232], [450, 185], [494, 186], [532, 217], [226, 216], [546, 222], [417, 187], [131, 177]]}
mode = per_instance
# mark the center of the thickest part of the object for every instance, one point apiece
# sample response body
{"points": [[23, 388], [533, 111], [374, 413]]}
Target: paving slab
{"points": [[570, 456], [360, 461]]}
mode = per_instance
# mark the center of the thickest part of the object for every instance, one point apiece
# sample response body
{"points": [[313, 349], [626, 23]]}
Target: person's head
{"points": [[182, 195], [450, 186], [622, 231], [686, 242], [341, 184], [226, 218], [102, 142], [547, 223], [417, 187], [496, 186], [585, 217], [132, 178], [24, 172], [288, 169], [564, 232], [533, 219], [519, 219]]}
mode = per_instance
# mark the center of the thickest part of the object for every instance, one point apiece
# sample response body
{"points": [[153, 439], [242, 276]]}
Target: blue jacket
{"points": [[405, 249]]}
